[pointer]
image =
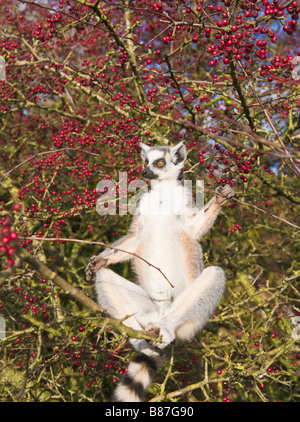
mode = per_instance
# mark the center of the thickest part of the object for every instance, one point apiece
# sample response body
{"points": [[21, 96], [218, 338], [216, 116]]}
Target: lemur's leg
{"points": [[192, 308], [121, 298]]}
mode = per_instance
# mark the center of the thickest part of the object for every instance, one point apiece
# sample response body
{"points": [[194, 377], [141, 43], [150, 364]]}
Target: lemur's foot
{"points": [[166, 333], [96, 263], [224, 193], [146, 348]]}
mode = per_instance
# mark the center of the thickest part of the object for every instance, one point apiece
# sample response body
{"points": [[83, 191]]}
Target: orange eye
{"points": [[159, 163], [145, 163]]}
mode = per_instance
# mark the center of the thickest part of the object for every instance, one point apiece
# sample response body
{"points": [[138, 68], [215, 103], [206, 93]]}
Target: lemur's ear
{"points": [[178, 154], [144, 149]]}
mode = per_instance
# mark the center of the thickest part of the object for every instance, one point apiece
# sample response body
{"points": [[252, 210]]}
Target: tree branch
{"points": [[90, 242], [120, 43], [242, 98], [79, 296]]}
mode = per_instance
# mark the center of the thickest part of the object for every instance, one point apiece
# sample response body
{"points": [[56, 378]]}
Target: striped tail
{"points": [[140, 373]]}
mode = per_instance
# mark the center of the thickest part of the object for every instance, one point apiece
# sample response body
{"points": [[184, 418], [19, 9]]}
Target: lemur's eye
{"points": [[159, 163], [145, 163]]}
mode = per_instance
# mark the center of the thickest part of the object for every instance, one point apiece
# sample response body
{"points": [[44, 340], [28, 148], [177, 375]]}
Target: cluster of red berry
{"points": [[8, 237]]}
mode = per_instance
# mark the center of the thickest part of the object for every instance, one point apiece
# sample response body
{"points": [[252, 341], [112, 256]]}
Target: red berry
{"points": [[5, 231], [13, 236], [3, 249], [5, 240], [11, 262], [11, 251], [17, 206]]}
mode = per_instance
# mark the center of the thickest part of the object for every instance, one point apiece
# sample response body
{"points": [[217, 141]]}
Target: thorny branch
{"points": [[294, 167], [100, 244], [43, 153], [78, 294]]}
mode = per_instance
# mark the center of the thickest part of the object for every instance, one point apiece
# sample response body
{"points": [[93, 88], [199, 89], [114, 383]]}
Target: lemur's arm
{"points": [[109, 256], [204, 219], [113, 255]]}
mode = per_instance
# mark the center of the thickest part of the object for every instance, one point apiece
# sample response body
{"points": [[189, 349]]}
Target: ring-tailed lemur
{"points": [[167, 239]]}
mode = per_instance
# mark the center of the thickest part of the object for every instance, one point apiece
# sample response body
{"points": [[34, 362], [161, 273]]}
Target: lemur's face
{"points": [[163, 163]]}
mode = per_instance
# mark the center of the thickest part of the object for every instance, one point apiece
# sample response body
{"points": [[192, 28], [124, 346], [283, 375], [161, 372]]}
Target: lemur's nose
{"points": [[148, 173]]}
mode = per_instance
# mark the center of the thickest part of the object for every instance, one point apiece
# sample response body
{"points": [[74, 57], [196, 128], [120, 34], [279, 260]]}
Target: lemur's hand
{"points": [[224, 193], [96, 263], [166, 332]]}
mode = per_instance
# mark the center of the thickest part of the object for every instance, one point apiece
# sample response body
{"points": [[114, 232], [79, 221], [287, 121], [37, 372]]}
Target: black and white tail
{"points": [[140, 373]]}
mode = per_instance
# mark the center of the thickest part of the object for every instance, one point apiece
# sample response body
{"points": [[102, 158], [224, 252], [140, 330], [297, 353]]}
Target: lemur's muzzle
{"points": [[149, 174]]}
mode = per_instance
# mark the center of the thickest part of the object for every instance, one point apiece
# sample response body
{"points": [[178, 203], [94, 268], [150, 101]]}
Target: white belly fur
{"points": [[161, 247], [163, 210]]}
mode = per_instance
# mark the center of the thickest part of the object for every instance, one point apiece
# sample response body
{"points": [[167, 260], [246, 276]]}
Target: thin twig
{"points": [[53, 239], [78, 295], [295, 167], [266, 212], [42, 153], [259, 209]]}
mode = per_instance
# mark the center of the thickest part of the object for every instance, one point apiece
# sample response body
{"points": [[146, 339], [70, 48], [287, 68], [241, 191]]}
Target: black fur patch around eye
{"points": [[156, 163]]}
